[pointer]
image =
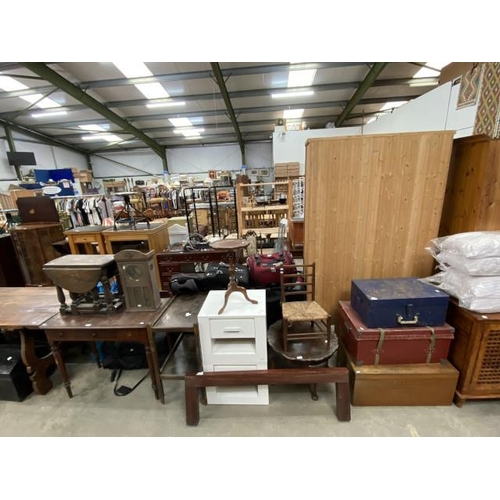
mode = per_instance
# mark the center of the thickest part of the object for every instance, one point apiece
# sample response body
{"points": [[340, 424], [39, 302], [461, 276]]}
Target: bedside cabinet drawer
{"points": [[237, 395], [232, 328]]}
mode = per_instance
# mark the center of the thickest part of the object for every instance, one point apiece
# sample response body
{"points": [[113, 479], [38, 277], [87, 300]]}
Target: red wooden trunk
{"points": [[389, 346]]}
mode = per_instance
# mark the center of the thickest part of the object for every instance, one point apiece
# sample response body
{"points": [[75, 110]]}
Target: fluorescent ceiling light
{"points": [[94, 128], [301, 78], [190, 132], [49, 113], [180, 122], [293, 94], [293, 113], [392, 105], [133, 69], [102, 137], [424, 84], [423, 72], [165, 104]]}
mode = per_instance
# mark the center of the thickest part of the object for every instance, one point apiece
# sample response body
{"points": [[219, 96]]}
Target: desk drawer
{"points": [[84, 239], [232, 328], [93, 335]]}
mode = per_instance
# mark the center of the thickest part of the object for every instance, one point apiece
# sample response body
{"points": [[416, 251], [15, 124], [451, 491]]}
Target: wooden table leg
{"points": [[192, 406], [154, 369], [35, 366], [95, 352], [61, 366]]}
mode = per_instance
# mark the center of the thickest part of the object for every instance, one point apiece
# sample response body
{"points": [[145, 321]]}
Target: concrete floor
{"points": [[96, 411]]}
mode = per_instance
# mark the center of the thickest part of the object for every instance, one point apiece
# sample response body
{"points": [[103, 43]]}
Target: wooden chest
{"points": [[400, 385], [475, 351], [389, 346], [395, 302], [34, 248]]}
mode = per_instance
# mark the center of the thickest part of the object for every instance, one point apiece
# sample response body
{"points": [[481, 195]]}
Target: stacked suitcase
{"points": [[395, 341]]}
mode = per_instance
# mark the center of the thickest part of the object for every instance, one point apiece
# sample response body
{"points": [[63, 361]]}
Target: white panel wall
{"points": [[47, 158], [435, 110], [127, 164], [291, 146], [195, 160]]}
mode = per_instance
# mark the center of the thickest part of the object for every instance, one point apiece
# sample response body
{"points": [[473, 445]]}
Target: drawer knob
{"points": [[94, 334]]}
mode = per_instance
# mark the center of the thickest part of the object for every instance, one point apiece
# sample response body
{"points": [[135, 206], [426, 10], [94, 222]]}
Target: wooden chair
{"points": [[301, 311]]}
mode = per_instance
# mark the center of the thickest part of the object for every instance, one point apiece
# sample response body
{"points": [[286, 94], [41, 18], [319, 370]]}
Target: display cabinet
{"points": [[260, 211]]}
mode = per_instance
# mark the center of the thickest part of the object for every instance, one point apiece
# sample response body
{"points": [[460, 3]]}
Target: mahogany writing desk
{"points": [[123, 325], [24, 310], [171, 262]]}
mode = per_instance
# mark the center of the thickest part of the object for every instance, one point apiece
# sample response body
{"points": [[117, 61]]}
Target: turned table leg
{"points": [[61, 366], [35, 366]]}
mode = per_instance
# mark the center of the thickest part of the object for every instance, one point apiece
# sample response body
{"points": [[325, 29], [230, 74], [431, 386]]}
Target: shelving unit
{"points": [[263, 219], [296, 197]]}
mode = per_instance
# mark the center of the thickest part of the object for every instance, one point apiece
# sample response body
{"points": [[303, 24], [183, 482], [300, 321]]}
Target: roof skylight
{"points": [[10, 84], [137, 70]]}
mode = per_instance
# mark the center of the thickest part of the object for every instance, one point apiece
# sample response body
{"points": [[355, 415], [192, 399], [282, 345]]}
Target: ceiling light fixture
{"points": [[102, 137], [48, 114], [165, 104], [93, 128], [8, 84], [189, 132], [292, 94]]}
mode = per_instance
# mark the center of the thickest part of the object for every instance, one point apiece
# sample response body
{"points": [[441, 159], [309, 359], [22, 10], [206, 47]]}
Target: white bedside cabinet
{"points": [[234, 340]]}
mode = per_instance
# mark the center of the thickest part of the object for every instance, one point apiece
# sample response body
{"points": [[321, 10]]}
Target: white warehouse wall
{"points": [[46, 157], [435, 110], [194, 160], [291, 146]]}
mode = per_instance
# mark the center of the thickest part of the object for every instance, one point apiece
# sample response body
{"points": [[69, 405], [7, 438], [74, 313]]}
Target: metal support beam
{"points": [[55, 79], [45, 139], [372, 75], [12, 149], [225, 94]]}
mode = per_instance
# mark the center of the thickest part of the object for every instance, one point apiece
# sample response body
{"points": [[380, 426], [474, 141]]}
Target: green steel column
{"points": [[372, 75], [219, 78], [12, 149]]}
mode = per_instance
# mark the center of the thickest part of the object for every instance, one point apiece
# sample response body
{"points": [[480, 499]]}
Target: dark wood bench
{"points": [[339, 376]]}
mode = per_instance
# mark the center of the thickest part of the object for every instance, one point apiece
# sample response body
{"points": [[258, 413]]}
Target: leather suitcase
{"points": [[217, 276], [265, 268], [395, 302], [401, 345], [400, 385], [15, 384]]}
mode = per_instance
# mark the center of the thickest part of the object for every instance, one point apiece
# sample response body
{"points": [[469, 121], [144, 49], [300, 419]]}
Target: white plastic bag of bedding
{"points": [[477, 293], [473, 244], [487, 266]]}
